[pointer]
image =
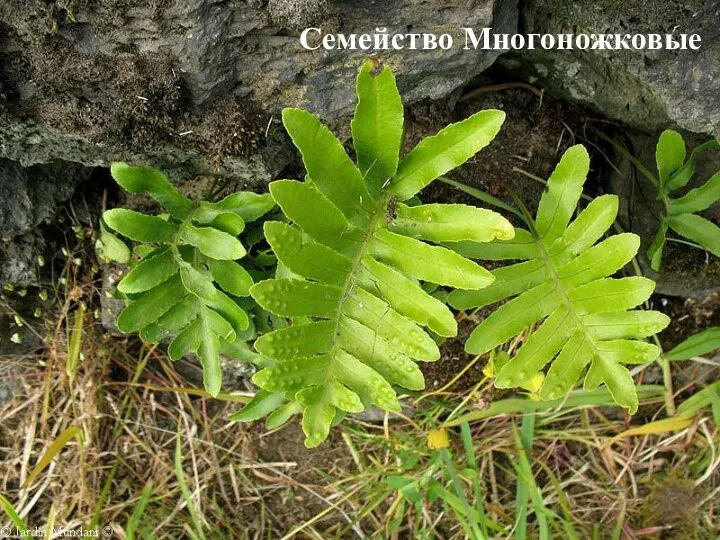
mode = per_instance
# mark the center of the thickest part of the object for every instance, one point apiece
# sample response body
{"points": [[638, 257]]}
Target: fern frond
{"points": [[187, 282], [680, 215], [353, 257], [564, 282]]}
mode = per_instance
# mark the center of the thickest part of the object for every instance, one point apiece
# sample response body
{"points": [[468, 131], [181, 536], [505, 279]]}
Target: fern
{"points": [[564, 282], [681, 213], [187, 279], [350, 262]]}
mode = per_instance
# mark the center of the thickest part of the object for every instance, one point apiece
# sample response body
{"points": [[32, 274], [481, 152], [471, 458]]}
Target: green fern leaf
{"points": [[564, 282], [187, 283], [674, 173], [351, 260]]}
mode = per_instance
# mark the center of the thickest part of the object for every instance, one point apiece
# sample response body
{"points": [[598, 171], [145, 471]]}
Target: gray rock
{"points": [[194, 84], [30, 195], [18, 259], [21, 327], [298, 14], [11, 380], [647, 89]]}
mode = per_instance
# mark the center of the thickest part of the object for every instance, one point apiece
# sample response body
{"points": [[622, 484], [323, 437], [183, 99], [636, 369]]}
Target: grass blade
{"points": [[472, 522], [187, 496], [522, 493], [134, 520], [467, 440], [74, 342], [15, 519], [483, 196], [579, 398], [52, 451]]}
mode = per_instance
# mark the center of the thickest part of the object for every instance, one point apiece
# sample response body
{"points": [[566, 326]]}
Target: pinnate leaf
{"points": [[188, 258], [352, 257], [438, 154], [680, 214], [564, 284]]}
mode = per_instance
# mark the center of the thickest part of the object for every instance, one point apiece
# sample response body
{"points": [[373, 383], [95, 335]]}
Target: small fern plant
{"points": [[353, 255], [563, 282], [680, 213], [187, 282]]}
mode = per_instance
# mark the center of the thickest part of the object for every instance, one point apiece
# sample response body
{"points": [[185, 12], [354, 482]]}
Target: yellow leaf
{"points": [[52, 451], [489, 369], [437, 438], [534, 383], [675, 423]]}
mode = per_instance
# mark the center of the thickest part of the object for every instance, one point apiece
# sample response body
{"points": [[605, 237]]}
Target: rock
{"points": [[18, 259], [21, 326], [30, 195], [11, 380], [198, 85], [110, 305], [298, 14], [646, 89]]}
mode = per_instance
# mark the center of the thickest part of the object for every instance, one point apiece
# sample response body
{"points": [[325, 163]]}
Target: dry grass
{"points": [[125, 411]]}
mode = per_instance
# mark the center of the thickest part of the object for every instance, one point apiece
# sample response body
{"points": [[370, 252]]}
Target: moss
{"points": [[231, 126], [125, 100], [673, 502]]}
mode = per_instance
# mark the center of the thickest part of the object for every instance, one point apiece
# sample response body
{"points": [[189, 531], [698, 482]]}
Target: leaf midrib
{"points": [[550, 265], [351, 279]]}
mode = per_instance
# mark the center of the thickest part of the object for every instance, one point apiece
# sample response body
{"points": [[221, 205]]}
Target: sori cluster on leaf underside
{"points": [[351, 259], [674, 173], [187, 282], [587, 321]]}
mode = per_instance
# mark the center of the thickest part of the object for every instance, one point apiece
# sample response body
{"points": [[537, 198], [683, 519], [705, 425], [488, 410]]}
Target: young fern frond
{"points": [[353, 256], [185, 283], [564, 282], [674, 173]]}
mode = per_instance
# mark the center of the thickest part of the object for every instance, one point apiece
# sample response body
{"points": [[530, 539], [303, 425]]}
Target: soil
{"points": [[292, 504]]}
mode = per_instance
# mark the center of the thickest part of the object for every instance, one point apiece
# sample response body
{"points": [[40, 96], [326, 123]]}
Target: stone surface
{"points": [[30, 195], [18, 258], [647, 89], [21, 326], [194, 85]]}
